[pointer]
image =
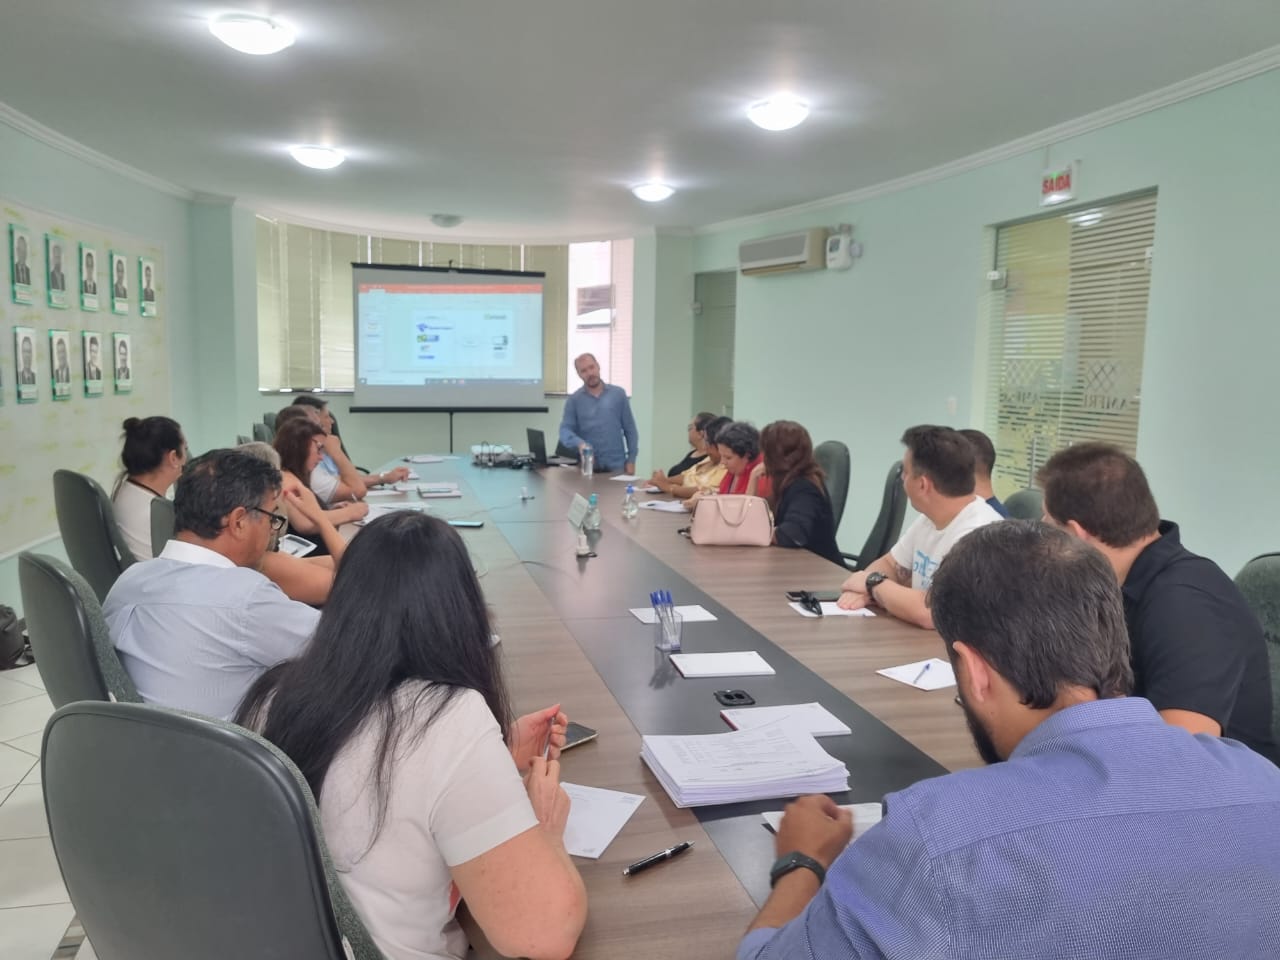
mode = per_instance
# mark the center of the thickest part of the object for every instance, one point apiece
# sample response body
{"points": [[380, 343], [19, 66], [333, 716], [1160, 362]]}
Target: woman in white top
{"points": [[300, 443], [153, 457], [397, 715]]}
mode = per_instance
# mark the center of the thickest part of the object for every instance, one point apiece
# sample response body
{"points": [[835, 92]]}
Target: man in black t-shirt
{"points": [[1199, 653]]}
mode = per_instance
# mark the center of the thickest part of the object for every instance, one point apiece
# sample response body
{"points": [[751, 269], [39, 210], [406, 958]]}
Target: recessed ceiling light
{"points": [[778, 113], [317, 158], [652, 192], [446, 220], [251, 34]]}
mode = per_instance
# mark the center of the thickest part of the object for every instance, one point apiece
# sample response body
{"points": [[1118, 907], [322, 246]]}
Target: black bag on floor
{"points": [[13, 645]]}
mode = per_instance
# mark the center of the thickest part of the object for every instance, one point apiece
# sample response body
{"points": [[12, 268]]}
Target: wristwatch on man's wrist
{"points": [[795, 860], [874, 580]]}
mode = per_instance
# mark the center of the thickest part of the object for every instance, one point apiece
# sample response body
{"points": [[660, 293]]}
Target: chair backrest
{"points": [[181, 836], [69, 637], [888, 526], [241, 439], [833, 457], [87, 522], [269, 418], [161, 524], [1259, 582], [263, 433], [1026, 504]]}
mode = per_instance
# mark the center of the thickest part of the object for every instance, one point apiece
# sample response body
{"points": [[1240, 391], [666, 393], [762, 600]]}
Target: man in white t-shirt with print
{"points": [[937, 475]]}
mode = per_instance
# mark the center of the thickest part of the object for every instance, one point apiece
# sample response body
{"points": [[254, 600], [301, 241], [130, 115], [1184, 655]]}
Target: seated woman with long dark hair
{"points": [[397, 715], [802, 514], [300, 443], [153, 456]]}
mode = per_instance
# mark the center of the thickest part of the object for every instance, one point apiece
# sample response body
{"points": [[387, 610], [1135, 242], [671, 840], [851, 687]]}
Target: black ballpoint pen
{"points": [[659, 857]]}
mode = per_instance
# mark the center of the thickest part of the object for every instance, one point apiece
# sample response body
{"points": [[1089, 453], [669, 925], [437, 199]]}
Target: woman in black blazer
{"points": [[802, 514]]}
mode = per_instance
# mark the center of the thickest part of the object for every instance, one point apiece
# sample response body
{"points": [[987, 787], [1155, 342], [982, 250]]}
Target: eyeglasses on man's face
{"points": [[278, 520]]}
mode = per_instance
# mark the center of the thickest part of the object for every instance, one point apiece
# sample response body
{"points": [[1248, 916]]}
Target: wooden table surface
{"points": [[698, 908]]}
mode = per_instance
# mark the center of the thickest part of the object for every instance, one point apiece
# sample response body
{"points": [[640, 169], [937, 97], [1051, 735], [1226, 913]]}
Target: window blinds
{"points": [[1067, 334]]}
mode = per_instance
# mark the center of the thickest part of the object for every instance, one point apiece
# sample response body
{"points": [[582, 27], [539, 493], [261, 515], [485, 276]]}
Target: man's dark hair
{"points": [[943, 455], [1062, 626], [740, 437], [700, 420], [295, 411], [308, 400], [213, 485], [712, 430], [1103, 489], [983, 449]]}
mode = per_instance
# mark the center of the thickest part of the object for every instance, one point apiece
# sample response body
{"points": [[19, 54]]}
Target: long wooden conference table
{"points": [[568, 637]]}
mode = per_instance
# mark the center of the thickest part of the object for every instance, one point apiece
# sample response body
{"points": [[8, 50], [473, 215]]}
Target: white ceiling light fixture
{"points": [[778, 113], [317, 158], [652, 192], [251, 34], [446, 220]]}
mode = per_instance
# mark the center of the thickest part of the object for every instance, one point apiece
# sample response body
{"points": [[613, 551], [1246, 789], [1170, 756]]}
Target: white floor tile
{"points": [[30, 876], [28, 744], [24, 717], [22, 815], [12, 691], [30, 675], [32, 777], [33, 933], [14, 765]]}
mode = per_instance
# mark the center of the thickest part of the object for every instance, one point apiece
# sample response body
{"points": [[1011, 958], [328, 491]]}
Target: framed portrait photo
{"points": [[147, 282], [55, 251], [60, 363], [88, 278], [24, 353], [119, 280], [20, 257], [93, 381], [122, 361]]}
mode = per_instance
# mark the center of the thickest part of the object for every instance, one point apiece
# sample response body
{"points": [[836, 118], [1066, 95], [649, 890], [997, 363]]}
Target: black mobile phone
{"points": [[467, 524], [735, 698], [576, 735], [822, 596]]}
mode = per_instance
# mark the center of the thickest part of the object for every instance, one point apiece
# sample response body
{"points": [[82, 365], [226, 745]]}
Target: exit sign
{"points": [[1058, 185]]}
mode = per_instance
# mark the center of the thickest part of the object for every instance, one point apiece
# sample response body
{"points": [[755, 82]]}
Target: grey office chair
{"points": [[90, 536], [833, 457], [1026, 504], [241, 439], [269, 418], [1259, 582], [161, 524], [74, 653], [884, 532], [181, 836], [263, 433]]}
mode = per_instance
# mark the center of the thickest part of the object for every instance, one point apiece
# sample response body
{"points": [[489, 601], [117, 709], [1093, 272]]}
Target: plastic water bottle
{"points": [[592, 520], [588, 461], [629, 506]]}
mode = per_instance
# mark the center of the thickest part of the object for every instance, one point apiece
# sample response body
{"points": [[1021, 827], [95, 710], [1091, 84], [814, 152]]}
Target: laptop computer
{"points": [[538, 450]]}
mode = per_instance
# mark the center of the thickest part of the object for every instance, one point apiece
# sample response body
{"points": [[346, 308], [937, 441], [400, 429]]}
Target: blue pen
{"points": [[922, 672]]}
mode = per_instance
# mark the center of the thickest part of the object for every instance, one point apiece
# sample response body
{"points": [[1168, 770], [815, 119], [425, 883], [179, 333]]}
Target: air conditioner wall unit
{"points": [[784, 253]]}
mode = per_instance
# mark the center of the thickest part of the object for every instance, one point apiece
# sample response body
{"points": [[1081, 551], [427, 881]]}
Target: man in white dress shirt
{"points": [[198, 624]]}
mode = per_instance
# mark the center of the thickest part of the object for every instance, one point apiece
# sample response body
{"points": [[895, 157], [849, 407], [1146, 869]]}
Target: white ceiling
{"points": [[532, 118]]}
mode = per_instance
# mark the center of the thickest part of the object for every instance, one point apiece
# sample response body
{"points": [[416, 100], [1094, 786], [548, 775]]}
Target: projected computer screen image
{"points": [[432, 338]]}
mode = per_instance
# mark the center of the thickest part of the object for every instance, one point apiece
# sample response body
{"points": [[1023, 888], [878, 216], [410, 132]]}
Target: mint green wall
{"points": [[39, 176], [860, 355]]}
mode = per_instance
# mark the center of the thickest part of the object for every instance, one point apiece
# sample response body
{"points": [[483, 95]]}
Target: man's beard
{"points": [[981, 737]]}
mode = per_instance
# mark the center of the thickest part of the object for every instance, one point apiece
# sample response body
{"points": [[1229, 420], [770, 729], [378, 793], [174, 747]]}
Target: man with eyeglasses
{"points": [[196, 626]]}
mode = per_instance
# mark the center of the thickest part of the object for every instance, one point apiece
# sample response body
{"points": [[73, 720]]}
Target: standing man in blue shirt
{"points": [[599, 414], [1098, 831]]}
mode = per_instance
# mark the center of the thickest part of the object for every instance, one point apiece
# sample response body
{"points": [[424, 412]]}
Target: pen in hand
{"points": [[660, 857], [923, 671]]}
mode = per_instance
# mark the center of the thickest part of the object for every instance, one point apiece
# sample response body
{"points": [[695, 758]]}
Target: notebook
{"points": [[743, 663]]}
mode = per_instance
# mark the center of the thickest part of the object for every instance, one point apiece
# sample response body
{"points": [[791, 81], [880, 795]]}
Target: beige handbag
{"points": [[732, 520]]}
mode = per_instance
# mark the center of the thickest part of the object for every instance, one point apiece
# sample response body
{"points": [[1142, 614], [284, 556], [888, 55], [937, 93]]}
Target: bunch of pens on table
{"points": [[663, 608]]}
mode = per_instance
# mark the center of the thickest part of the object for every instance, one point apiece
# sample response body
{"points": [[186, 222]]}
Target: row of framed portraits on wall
{"points": [[58, 250], [96, 362]]}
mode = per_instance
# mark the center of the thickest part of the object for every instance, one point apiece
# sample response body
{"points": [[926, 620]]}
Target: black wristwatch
{"points": [[794, 861], [874, 580]]}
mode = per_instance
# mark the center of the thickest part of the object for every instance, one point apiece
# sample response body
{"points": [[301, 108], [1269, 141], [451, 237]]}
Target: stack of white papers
{"points": [[689, 613], [813, 718], [381, 510], [432, 491], [426, 458], [830, 609], [595, 817], [626, 477], [865, 816], [933, 674], [740, 663], [665, 506], [760, 764]]}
